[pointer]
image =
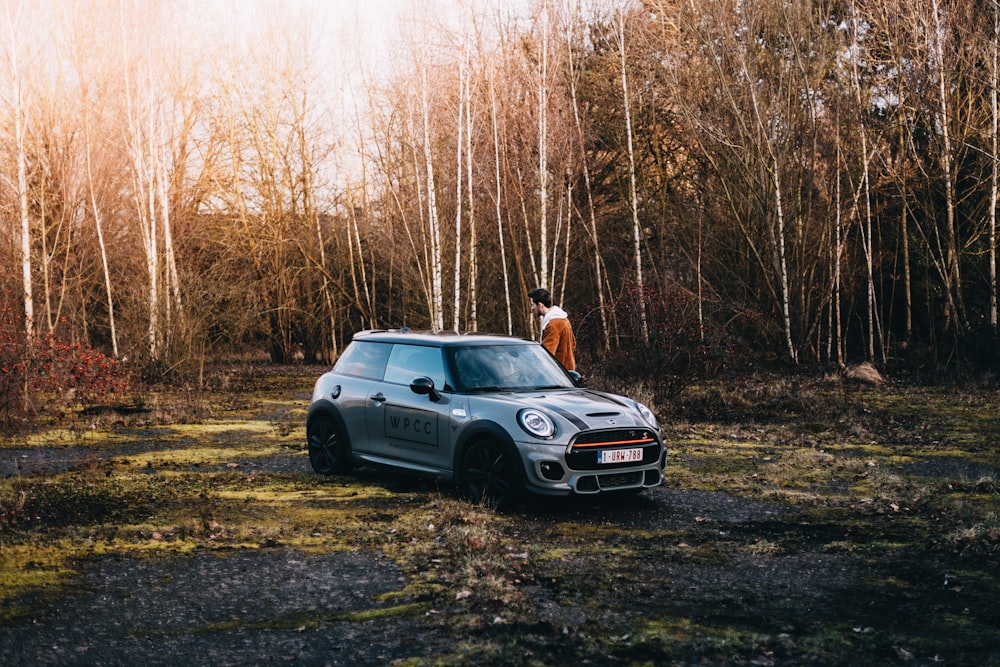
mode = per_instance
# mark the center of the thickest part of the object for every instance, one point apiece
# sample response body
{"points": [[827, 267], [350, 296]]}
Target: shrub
{"points": [[48, 374], [682, 347]]}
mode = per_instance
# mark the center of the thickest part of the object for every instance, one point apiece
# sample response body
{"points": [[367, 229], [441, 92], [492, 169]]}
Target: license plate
{"points": [[619, 455]]}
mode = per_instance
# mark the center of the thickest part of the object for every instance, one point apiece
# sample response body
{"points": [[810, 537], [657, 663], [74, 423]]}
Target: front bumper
{"points": [[547, 472]]}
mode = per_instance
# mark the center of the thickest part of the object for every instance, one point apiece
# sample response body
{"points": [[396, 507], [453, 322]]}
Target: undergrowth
{"points": [[46, 375]]}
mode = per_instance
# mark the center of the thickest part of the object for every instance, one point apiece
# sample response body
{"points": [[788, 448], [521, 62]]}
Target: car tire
{"points": [[491, 474], [329, 452]]}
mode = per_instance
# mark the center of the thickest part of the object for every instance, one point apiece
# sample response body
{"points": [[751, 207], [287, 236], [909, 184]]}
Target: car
{"points": [[495, 415]]}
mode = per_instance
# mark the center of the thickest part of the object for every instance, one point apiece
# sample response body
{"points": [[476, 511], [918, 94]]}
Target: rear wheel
{"points": [[329, 452], [491, 474]]}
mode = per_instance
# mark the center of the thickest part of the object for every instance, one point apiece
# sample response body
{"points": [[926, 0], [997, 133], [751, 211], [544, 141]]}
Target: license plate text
{"points": [[620, 455]]}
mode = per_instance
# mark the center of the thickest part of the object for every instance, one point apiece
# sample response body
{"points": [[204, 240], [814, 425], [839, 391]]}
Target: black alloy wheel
{"points": [[328, 450], [490, 474]]}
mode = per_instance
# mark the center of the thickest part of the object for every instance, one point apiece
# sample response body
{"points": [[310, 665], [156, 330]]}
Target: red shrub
{"points": [[48, 374]]}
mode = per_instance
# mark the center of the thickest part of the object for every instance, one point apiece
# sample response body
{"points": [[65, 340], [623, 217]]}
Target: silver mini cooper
{"points": [[495, 415]]}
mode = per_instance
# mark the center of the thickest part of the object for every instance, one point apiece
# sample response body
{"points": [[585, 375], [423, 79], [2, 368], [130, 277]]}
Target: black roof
{"points": [[438, 338]]}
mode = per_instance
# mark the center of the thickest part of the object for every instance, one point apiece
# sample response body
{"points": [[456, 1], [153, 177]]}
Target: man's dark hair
{"points": [[542, 296]]}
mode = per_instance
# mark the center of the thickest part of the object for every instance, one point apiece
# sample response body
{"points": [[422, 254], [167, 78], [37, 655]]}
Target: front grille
{"points": [[620, 479], [584, 450]]}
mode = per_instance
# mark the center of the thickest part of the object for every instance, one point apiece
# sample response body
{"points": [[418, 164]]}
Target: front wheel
{"points": [[491, 475], [329, 452]]}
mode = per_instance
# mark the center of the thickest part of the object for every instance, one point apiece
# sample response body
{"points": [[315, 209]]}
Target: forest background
{"points": [[699, 182]]}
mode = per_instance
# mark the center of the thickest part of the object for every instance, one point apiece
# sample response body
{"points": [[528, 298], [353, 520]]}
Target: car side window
{"points": [[363, 359], [410, 361]]}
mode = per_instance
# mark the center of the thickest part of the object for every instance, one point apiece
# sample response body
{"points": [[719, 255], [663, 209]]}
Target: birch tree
{"points": [[498, 203], [18, 104], [97, 214], [54, 199], [437, 295], [867, 237], [459, 190], [543, 277], [994, 59], [150, 162], [471, 199], [633, 196], [952, 273], [591, 219]]}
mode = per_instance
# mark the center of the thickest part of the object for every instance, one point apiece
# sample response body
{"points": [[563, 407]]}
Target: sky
{"points": [[369, 22], [353, 43]]}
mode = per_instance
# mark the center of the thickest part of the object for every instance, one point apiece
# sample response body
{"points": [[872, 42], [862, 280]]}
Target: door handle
{"points": [[379, 398]]}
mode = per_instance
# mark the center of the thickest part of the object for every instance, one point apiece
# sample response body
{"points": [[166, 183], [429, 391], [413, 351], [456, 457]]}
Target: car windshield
{"points": [[484, 368]]}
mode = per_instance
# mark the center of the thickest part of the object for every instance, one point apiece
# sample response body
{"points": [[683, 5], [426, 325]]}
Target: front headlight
{"points": [[536, 423], [646, 414]]}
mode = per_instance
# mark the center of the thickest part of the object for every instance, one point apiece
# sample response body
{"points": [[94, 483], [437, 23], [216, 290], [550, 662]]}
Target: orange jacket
{"points": [[557, 337]]}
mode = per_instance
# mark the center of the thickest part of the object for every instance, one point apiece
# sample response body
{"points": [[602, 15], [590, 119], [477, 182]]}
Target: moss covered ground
{"points": [[803, 522]]}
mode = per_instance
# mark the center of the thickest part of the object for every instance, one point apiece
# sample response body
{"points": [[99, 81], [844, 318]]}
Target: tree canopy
{"points": [[816, 180]]}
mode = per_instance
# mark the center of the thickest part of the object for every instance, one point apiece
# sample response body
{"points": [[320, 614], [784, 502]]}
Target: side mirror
{"points": [[576, 377], [424, 386]]}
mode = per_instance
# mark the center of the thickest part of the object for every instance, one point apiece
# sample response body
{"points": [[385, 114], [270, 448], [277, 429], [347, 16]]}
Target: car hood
{"points": [[583, 408]]}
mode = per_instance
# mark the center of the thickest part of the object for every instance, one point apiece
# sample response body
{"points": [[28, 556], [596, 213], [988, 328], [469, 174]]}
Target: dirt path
{"points": [[236, 608]]}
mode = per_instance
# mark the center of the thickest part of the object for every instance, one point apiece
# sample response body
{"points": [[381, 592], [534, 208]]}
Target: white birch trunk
{"points": [[538, 279], [358, 267], [20, 128], [499, 208], [995, 175], [144, 195], [838, 250], [633, 197], [20, 121], [867, 236], [569, 223], [953, 270], [769, 137], [598, 261], [437, 305], [102, 247], [173, 277], [459, 192], [473, 253], [44, 256], [783, 267], [543, 167], [698, 275], [905, 233], [423, 266], [327, 299], [150, 244], [145, 201], [554, 262], [867, 243]]}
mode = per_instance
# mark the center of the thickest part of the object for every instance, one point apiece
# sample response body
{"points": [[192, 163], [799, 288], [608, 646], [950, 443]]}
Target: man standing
{"points": [[557, 332]]}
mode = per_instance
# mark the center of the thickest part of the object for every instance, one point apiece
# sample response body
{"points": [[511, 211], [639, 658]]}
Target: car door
{"points": [[358, 370], [413, 428]]}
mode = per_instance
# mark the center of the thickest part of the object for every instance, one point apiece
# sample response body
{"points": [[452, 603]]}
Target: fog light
{"points": [[551, 470]]}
